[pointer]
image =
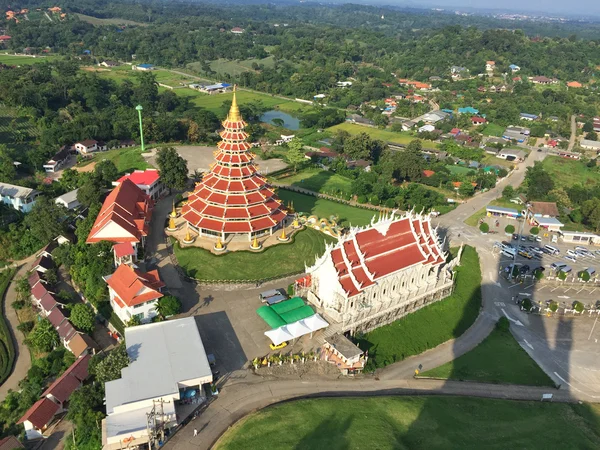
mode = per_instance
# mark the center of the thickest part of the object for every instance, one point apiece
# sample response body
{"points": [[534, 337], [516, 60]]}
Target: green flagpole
{"points": [[139, 110]]}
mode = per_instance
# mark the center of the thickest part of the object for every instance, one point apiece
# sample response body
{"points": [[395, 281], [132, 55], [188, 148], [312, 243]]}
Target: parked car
{"points": [[571, 258], [525, 254], [558, 265], [581, 249], [524, 269], [515, 237], [571, 253]]}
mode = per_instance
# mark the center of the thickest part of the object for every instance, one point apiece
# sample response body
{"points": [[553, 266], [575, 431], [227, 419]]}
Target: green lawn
{"points": [[498, 359], [432, 325], [214, 102], [319, 180], [474, 219], [325, 208], [234, 68], [491, 129], [403, 137], [567, 172], [274, 262], [126, 159], [14, 60], [427, 422], [459, 170]]}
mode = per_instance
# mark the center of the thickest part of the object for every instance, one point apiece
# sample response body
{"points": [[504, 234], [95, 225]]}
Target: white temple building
{"points": [[374, 275]]}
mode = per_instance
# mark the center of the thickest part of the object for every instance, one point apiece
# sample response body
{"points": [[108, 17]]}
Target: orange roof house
{"points": [[124, 217], [574, 84], [55, 9]]}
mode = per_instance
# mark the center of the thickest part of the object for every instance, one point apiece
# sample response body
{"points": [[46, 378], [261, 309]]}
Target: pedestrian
{"points": [[195, 432]]}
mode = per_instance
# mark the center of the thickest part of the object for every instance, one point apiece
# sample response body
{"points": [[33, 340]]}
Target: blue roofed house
{"points": [[530, 117], [143, 67], [514, 68], [468, 110]]}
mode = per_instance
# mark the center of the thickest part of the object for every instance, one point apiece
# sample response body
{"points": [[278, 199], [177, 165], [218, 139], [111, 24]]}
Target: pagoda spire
{"points": [[234, 112]]}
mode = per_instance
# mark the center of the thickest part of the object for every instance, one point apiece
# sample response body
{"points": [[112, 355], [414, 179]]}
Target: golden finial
{"points": [[188, 236], [283, 237], [295, 223], [173, 211], [234, 111], [219, 244], [172, 223], [255, 243], [292, 205]]}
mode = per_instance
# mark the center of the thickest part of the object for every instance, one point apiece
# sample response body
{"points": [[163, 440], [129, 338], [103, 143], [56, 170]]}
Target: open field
{"points": [[459, 170], [384, 135], [384, 423], [323, 208], [432, 325], [111, 21], [498, 359], [491, 129], [126, 159], [7, 350], [567, 172], [276, 261], [234, 68], [21, 60], [319, 180]]}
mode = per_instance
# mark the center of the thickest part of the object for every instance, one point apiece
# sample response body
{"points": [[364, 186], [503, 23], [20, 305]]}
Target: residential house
{"points": [[491, 150], [433, 117], [344, 354], [514, 68], [109, 63], [519, 134], [543, 80], [237, 30], [454, 132], [490, 66], [343, 84], [477, 121], [544, 215], [134, 293], [55, 399], [356, 118], [68, 200], [10, 443], [147, 180], [529, 117], [552, 143], [468, 110], [427, 173], [124, 217], [426, 128], [168, 367], [43, 264], [18, 197], [58, 160], [457, 72], [574, 84], [589, 144], [143, 67], [89, 146], [512, 155]]}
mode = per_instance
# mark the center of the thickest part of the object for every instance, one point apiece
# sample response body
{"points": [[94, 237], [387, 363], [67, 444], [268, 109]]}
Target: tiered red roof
{"points": [[382, 250], [233, 197], [134, 287], [124, 216]]}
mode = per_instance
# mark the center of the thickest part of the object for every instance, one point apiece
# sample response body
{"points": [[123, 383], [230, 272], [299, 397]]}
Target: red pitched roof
{"points": [[134, 287], [34, 278], [41, 413], [141, 177], [476, 119], [123, 249], [70, 380], [428, 173], [38, 291], [127, 208], [386, 248]]}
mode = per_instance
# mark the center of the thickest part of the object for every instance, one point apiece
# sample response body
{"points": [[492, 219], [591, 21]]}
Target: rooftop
{"points": [[544, 208], [13, 191], [70, 380], [140, 177], [171, 351], [69, 197], [344, 345], [133, 286], [41, 413]]}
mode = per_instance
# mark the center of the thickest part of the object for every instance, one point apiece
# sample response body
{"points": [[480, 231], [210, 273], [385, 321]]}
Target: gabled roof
{"points": [[129, 209], [43, 262], [88, 142], [79, 343], [544, 208], [10, 443], [41, 413], [134, 287], [70, 380], [123, 249], [140, 177], [34, 279], [38, 291]]}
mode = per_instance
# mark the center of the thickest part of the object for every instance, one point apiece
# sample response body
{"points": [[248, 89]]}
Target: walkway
{"points": [[22, 358], [573, 133], [250, 393]]}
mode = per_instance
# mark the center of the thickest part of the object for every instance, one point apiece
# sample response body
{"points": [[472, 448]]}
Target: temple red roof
{"points": [[386, 248], [124, 216], [233, 197]]}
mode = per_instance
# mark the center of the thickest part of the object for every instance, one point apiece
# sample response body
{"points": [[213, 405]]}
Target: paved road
{"points": [[250, 393], [573, 133], [22, 357]]}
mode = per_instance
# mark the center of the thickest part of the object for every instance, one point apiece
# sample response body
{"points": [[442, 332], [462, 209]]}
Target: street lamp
{"points": [[139, 110]]}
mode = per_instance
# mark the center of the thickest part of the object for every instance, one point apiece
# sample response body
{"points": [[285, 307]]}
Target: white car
{"points": [[572, 253], [581, 249], [571, 258]]}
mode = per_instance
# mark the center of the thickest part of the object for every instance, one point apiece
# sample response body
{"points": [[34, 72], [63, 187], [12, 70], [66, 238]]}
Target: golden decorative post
{"points": [[173, 211], [172, 226], [219, 247], [295, 223], [188, 236], [283, 237], [255, 244]]}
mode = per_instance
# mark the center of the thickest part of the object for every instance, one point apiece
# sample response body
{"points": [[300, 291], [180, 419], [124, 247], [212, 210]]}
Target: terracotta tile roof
{"points": [[56, 317], [123, 249], [48, 303], [127, 208], [41, 413], [134, 287], [34, 278], [10, 443], [79, 344], [544, 208], [38, 291], [70, 380], [66, 330]]}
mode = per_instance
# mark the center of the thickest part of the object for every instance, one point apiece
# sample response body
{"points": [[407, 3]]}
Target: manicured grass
{"points": [[474, 219], [215, 102], [15, 60], [274, 262], [385, 423], [567, 172], [322, 208], [319, 180], [491, 129], [498, 359], [235, 68], [126, 159], [7, 349], [432, 325], [384, 135], [459, 170]]}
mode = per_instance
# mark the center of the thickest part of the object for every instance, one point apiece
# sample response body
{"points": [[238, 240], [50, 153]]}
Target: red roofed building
{"points": [[475, 120], [233, 199], [124, 217], [375, 275], [134, 293], [147, 180], [38, 417], [10, 443], [428, 173]]}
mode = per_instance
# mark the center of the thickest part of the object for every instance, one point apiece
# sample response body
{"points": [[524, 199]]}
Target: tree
{"points": [[584, 275], [23, 288], [553, 306], [508, 192], [106, 172], [46, 219], [534, 230], [168, 305], [484, 227], [43, 337], [539, 182], [578, 306], [83, 317], [466, 189], [108, 368], [509, 229], [592, 136], [591, 213], [69, 179], [173, 168], [295, 155], [8, 173], [90, 190]]}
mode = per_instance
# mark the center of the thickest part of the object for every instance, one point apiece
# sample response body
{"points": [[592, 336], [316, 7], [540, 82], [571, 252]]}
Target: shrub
{"points": [[25, 327], [584, 275], [562, 275], [503, 324], [290, 290], [534, 230], [578, 306], [553, 306], [168, 305], [83, 317], [361, 199], [484, 227], [526, 304], [18, 304], [510, 229], [538, 275]]}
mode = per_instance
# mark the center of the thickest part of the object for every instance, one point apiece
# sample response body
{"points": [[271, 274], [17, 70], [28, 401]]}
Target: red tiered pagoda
{"points": [[233, 199]]}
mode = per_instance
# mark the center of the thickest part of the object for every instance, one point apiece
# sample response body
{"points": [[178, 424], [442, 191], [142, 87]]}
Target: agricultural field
{"points": [[319, 180], [425, 422], [491, 129], [7, 350], [21, 60], [234, 68], [15, 130], [403, 138], [112, 21], [567, 172]]}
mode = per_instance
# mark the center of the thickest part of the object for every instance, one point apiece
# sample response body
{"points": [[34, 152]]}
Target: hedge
{"points": [[7, 349]]}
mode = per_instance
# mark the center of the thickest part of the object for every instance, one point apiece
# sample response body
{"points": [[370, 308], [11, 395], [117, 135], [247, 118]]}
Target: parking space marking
{"points": [[516, 284], [542, 287], [593, 326], [593, 290], [582, 289], [557, 287], [500, 304], [527, 287]]}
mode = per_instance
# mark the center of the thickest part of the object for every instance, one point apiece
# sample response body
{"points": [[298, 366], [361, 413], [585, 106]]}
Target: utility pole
{"points": [[139, 110]]}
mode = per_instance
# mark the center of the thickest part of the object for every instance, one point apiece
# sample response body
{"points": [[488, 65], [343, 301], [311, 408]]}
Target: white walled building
{"points": [[147, 180], [375, 275], [134, 293], [18, 197], [167, 359]]}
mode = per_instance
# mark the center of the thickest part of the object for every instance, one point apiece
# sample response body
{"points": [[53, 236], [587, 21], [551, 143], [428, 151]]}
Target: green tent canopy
{"points": [[297, 314], [273, 319], [287, 305]]}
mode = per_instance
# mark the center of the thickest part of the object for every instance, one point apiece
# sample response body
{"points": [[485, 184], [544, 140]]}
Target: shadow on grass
{"points": [[330, 433]]}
